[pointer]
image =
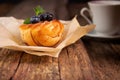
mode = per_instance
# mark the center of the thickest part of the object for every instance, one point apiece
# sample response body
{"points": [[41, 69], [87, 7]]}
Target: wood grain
{"points": [[72, 64], [75, 64], [36, 68], [105, 57], [9, 62]]}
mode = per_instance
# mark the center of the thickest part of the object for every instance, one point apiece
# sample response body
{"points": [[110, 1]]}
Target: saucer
{"points": [[97, 35]]}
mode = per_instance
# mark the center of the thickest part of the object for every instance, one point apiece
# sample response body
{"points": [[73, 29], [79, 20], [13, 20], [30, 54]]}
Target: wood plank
{"points": [[68, 66], [105, 57], [74, 63], [85, 65], [9, 62], [36, 68], [69, 70]]}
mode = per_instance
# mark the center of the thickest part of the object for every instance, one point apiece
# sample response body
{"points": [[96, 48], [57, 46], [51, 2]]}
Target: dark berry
{"points": [[34, 19], [49, 16], [41, 17], [46, 16]]}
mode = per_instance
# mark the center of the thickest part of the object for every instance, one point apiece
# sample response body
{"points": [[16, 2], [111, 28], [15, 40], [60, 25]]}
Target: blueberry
{"points": [[46, 16], [41, 17], [49, 16], [34, 19]]}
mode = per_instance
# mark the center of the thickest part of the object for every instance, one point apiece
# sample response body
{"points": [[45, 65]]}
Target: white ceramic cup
{"points": [[105, 15]]}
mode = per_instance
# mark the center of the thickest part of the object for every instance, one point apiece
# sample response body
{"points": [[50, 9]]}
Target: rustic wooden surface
{"points": [[87, 59]]}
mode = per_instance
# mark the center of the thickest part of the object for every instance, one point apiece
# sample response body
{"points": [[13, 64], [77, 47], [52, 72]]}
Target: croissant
{"points": [[47, 33]]}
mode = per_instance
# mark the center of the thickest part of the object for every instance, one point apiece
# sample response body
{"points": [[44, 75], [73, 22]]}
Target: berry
{"points": [[34, 19], [41, 17], [46, 16], [49, 16]]}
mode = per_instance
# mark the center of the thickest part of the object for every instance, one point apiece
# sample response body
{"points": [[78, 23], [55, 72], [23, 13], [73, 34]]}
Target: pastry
{"points": [[42, 30]]}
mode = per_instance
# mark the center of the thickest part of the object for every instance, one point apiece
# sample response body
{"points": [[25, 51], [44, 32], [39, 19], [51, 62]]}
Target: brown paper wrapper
{"points": [[10, 36]]}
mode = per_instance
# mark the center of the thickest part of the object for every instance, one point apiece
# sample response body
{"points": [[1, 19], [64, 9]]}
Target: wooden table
{"points": [[87, 59]]}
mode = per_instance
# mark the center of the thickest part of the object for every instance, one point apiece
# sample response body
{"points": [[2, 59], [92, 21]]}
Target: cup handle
{"points": [[84, 16]]}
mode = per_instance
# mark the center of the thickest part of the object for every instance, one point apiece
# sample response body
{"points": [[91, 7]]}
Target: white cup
{"points": [[105, 15]]}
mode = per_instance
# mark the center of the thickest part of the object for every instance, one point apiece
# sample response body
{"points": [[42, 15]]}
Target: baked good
{"points": [[46, 33], [43, 30]]}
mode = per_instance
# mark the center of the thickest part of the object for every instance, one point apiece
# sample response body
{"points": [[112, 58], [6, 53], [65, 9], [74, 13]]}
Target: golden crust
{"points": [[26, 34], [46, 33]]}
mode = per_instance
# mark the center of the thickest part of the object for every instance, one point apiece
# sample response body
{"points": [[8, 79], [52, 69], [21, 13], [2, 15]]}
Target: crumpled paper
{"points": [[10, 36]]}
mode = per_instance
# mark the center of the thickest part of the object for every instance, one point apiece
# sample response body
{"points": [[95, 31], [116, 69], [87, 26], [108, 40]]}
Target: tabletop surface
{"points": [[87, 59]]}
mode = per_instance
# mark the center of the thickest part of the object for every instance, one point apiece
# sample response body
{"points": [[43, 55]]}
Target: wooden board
{"points": [[73, 63], [9, 62], [105, 57]]}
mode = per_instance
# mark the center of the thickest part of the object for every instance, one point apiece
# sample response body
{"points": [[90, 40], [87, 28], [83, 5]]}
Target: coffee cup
{"points": [[105, 15]]}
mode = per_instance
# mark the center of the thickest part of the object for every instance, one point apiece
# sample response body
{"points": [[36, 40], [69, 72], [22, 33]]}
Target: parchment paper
{"points": [[10, 36]]}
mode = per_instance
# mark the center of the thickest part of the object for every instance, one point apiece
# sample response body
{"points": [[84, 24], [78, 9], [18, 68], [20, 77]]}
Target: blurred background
{"points": [[7, 7], [62, 9]]}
